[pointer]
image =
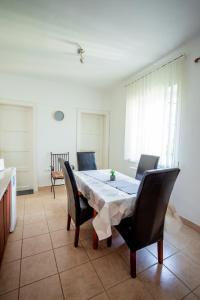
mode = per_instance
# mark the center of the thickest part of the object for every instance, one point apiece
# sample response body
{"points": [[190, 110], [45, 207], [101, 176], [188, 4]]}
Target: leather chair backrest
{"points": [[146, 162], [72, 191], [151, 205], [86, 161]]}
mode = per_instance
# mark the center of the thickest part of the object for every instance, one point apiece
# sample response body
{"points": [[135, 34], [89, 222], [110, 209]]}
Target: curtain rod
{"points": [[169, 62]]}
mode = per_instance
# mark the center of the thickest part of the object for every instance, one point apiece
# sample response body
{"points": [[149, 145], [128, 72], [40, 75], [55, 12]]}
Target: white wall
{"points": [[186, 195], [49, 96]]}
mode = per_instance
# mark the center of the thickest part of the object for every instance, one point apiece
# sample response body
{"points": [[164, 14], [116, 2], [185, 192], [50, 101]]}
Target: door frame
{"points": [[10, 102], [106, 116]]}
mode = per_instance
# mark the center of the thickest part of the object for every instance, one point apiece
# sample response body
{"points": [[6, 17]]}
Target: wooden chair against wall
{"points": [[56, 171]]}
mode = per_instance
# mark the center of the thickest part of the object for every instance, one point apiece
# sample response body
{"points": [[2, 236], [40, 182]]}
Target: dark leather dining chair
{"points": [[146, 162], [78, 208], [146, 225], [86, 161]]}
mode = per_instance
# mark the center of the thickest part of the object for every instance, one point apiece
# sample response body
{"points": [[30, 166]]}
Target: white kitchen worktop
{"points": [[5, 177]]}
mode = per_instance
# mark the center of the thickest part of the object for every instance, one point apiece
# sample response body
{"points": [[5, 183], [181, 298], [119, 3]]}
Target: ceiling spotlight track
{"points": [[80, 50]]}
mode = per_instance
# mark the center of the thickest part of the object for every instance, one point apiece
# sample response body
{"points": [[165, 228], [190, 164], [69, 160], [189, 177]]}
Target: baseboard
{"points": [[172, 211], [48, 187], [25, 192], [190, 224]]}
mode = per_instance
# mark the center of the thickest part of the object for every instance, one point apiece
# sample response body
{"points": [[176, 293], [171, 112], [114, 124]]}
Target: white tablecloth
{"points": [[111, 204]]}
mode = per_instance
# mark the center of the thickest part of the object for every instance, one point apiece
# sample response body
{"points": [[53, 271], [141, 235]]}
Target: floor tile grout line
{"points": [[64, 245], [33, 236], [188, 295], [92, 260], [26, 284], [95, 258], [163, 258], [11, 261], [144, 270], [97, 274], [190, 257], [178, 252], [196, 295], [130, 278], [196, 288], [36, 254], [183, 282], [99, 294], [41, 252], [76, 266], [109, 253], [30, 224], [162, 265], [117, 283], [10, 242], [11, 291], [56, 260], [156, 263]]}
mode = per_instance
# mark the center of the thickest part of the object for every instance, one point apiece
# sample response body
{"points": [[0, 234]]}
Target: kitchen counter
{"points": [[7, 206], [5, 177]]}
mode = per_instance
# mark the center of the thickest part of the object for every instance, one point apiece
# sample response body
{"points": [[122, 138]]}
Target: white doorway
{"points": [[16, 143], [93, 134]]}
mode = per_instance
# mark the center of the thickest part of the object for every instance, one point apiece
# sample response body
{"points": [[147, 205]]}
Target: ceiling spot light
{"points": [[81, 52]]}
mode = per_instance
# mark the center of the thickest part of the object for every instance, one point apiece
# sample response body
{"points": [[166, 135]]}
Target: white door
{"points": [[16, 142], [92, 136]]}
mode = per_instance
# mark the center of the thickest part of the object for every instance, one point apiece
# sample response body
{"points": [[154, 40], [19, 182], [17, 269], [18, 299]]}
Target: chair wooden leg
{"points": [[77, 230], [53, 186], [95, 237], [160, 251], [95, 240], [68, 222], [133, 263], [109, 241]]}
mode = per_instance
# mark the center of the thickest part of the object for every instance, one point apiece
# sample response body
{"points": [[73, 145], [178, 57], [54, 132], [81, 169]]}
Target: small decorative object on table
{"points": [[112, 175]]}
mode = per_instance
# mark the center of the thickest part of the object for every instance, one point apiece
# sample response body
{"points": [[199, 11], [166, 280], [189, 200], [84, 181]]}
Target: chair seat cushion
{"points": [[57, 174]]}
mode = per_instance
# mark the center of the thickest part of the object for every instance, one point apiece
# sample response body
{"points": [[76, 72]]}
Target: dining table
{"points": [[112, 200]]}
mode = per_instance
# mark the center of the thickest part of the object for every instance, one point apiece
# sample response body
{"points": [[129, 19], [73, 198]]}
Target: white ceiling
{"points": [[119, 36]]}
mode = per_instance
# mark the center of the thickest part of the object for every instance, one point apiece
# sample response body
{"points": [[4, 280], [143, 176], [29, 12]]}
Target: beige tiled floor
{"points": [[41, 263]]}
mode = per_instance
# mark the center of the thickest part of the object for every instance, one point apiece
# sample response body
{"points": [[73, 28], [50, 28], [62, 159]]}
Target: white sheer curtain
{"points": [[153, 114]]}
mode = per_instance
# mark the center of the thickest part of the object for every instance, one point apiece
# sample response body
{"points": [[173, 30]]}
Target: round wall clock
{"points": [[59, 115]]}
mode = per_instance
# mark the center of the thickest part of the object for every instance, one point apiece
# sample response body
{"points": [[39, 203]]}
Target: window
{"points": [[153, 114]]}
